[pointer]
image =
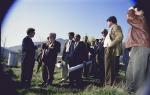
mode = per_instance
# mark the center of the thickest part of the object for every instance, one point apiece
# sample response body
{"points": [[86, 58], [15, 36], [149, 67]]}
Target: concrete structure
{"points": [[12, 59]]}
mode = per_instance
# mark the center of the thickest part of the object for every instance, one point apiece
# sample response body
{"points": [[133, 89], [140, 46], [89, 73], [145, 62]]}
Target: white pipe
{"points": [[78, 66]]}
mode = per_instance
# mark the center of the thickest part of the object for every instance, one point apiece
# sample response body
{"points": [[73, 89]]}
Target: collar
{"points": [[69, 40], [112, 26]]}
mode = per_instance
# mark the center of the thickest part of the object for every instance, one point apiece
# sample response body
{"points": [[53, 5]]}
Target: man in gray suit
{"points": [[67, 53]]}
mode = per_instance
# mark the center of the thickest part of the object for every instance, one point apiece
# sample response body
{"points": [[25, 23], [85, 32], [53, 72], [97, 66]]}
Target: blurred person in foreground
{"points": [[138, 40]]}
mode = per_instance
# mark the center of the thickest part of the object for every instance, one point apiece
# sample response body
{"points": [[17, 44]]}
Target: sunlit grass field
{"points": [[92, 86]]}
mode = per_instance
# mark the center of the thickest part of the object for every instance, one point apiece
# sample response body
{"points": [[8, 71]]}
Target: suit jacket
{"points": [[65, 55], [116, 37], [28, 48], [79, 54], [51, 53]]}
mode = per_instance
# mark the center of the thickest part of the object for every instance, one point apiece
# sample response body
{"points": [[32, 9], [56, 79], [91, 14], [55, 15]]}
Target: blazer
{"points": [[50, 55], [28, 47], [79, 54], [116, 37], [64, 54]]}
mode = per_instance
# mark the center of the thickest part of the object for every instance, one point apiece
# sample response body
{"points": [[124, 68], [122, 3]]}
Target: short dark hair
{"points": [[78, 36], [112, 19], [30, 30], [97, 40], [104, 31], [53, 35], [71, 33]]}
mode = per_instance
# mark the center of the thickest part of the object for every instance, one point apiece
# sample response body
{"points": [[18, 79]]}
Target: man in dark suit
{"points": [[28, 58], [67, 53], [50, 58], [77, 58], [86, 67]]}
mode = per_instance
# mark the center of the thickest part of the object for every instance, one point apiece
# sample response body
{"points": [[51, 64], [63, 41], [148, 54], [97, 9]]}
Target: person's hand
{"points": [[140, 13]]}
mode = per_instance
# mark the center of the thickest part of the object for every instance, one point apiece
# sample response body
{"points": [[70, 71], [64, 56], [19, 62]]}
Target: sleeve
{"points": [[118, 36]]}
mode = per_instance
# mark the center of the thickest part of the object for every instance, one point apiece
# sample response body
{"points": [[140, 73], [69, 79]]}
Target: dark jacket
{"points": [[65, 55], [51, 53], [79, 54], [87, 48], [28, 47]]}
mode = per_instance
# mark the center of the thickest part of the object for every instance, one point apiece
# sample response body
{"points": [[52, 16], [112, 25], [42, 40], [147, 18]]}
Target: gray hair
{"points": [[53, 35]]}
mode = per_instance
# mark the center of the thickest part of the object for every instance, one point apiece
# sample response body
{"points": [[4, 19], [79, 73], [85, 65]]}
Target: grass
{"points": [[91, 88]]}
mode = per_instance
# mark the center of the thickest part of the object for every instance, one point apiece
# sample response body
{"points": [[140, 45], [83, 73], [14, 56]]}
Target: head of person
{"points": [[111, 20], [47, 38], [31, 32], [85, 39], [77, 37], [96, 41], [71, 35], [52, 37], [104, 32]]}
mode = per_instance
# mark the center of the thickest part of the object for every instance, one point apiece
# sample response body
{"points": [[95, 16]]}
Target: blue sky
{"points": [[85, 17]]}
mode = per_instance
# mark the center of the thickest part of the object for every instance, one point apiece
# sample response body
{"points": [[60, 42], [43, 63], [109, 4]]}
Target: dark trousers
{"points": [[92, 67], [48, 72], [27, 71], [85, 69], [75, 77], [100, 72], [111, 67]]}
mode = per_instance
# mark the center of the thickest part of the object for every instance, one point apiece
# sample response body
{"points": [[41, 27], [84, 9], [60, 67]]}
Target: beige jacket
{"points": [[116, 37]]}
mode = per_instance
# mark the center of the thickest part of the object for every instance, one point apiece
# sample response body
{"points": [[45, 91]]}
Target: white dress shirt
{"points": [[68, 45], [107, 41]]}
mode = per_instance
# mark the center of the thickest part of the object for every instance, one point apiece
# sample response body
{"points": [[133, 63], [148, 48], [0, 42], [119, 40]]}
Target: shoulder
{"points": [[26, 38], [82, 43], [58, 43], [117, 28]]}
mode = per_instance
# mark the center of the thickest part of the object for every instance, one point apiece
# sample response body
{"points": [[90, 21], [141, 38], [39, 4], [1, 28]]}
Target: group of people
{"points": [[104, 54], [48, 57]]}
